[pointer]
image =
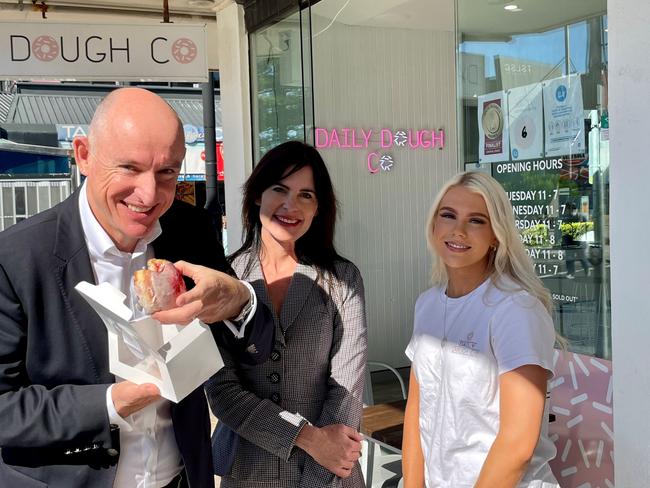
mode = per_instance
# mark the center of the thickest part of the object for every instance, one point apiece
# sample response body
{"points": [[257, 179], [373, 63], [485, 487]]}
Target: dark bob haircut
{"points": [[316, 247]]}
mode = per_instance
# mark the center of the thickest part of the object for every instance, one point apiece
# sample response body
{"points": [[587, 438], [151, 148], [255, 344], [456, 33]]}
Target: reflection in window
{"points": [[276, 70], [534, 115]]}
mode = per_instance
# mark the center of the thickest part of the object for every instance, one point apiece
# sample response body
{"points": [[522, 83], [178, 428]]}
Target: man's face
{"points": [[131, 175]]}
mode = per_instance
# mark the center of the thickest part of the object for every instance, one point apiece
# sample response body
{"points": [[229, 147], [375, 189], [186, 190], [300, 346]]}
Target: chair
{"points": [[379, 416]]}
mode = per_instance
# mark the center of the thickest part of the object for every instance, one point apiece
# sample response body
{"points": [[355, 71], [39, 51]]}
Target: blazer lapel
{"points": [[73, 265], [300, 287]]}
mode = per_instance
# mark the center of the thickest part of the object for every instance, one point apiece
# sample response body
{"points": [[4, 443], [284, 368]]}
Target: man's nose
{"points": [[147, 188]]}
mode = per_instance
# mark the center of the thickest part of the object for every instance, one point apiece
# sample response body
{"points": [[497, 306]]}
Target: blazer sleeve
{"points": [[344, 403], [33, 416]]}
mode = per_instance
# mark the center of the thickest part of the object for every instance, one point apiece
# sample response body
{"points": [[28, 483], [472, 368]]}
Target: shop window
{"points": [[533, 99], [278, 84]]}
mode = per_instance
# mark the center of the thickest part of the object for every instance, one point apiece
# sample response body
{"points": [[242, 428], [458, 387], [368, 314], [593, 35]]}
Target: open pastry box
{"points": [[177, 359]]}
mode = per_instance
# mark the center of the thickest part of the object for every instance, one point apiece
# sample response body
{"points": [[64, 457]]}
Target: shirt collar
{"points": [[98, 241]]}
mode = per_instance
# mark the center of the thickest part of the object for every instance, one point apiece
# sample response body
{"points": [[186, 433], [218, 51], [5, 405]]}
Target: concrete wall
{"points": [[232, 46], [629, 84]]}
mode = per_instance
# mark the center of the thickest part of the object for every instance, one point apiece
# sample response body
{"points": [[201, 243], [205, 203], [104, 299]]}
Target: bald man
{"points": [[65, 420]]}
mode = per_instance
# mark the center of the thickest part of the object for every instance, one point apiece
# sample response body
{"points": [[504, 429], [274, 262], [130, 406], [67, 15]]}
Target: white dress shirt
{"points": [[149, 456]]}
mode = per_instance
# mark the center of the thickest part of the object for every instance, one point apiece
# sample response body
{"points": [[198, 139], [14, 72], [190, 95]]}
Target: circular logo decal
{"points": [[560, 93], [45, 48], [184, 50], [492, 121]]}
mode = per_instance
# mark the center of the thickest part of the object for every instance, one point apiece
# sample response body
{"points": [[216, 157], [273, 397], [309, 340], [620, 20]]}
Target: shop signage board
{"points": [[563, 115], [494, 144], [526, 126], [72, 51]]}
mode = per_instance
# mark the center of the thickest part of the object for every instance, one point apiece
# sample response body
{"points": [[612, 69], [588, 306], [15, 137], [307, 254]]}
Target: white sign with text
{"points": [[564, 116], [124, 52], [526, 124]]}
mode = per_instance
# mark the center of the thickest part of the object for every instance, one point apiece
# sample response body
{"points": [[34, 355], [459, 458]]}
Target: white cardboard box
{"points": [[177, 359]]}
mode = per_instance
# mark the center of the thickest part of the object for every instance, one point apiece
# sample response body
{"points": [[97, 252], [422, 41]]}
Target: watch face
{"points": [[492, 121]]}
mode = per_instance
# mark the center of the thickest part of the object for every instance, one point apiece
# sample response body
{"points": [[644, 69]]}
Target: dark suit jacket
{"points": [[54, 428]]}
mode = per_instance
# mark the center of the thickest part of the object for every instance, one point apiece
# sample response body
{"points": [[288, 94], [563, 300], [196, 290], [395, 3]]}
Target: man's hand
{"points": [[335, 447], [129, 397], [216, 296]]}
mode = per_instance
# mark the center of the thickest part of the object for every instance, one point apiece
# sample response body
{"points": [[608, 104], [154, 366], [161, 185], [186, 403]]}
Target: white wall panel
{"points": [[373, 78], [629, 105]]}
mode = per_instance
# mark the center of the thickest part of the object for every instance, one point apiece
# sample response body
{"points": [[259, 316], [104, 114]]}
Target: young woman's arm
{"points": [[412, 457], [522, 396]]}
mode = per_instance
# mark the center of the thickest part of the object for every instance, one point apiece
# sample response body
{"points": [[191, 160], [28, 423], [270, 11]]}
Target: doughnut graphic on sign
{"points": [[184, 50], [492, 121], [45, 48]]}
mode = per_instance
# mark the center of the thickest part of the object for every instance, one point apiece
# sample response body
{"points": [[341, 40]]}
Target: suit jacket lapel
{"points": [[300, 287], [73, 265], [302, 283]]}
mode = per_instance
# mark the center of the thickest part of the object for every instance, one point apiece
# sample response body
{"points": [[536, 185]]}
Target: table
{"points": [[382, 424]]}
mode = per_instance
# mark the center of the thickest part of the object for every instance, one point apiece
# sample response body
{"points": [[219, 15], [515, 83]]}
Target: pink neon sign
{"points": [[349, 138]]}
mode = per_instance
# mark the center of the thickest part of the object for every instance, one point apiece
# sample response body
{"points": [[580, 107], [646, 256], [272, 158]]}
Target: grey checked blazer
{"points": [[317, 369]]}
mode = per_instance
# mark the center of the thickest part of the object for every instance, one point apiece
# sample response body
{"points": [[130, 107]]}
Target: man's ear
{"points": [[81, 153]]}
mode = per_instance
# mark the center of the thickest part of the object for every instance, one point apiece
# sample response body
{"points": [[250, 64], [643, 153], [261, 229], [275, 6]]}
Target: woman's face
{"points": [[462, 233], [288, 207]]}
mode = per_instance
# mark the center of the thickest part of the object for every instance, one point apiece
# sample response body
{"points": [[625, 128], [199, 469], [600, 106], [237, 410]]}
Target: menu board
{"points": [[553, 204], [532, 187]]}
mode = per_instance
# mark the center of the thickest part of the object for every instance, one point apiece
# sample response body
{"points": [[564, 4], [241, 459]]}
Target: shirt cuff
{"points": [[239, 332], [113, 416]]}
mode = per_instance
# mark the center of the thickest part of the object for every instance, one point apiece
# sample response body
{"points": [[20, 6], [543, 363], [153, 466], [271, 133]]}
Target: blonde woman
{"points": [[481, 351]]}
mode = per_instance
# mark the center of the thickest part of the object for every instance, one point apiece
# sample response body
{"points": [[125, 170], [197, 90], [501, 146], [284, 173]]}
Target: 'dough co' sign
{"points": [[165, 52], [376, 161]]}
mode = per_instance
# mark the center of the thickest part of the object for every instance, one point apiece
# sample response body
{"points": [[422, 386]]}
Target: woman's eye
{"points": [[307, 196], [278, 189], [447, 215], [477, 221]]}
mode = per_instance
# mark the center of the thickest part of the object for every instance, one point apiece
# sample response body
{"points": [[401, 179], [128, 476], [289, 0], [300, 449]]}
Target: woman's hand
{"points": [[522, 393], [335, 447], [216, 296]]}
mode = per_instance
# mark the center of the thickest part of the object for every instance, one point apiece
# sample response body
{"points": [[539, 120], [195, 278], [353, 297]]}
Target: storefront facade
{"points": [[400, 95]]}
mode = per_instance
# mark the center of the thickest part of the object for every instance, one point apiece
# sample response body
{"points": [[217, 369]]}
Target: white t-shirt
{"points": [[489, 332]]}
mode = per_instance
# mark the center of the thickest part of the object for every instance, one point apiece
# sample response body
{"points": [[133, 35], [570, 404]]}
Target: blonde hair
{"points": [[510, 258]]}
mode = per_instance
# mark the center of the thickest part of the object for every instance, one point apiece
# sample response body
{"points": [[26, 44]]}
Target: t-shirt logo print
{"points": [[468, 347]]}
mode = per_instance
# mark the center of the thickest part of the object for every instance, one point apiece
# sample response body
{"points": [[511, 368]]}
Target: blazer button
{"points": [[275, 398], [275, 355], [274, 377]]}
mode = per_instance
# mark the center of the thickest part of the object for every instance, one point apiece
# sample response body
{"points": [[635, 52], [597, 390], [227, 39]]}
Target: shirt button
{"points": [[275, 398], [274, 377], [275, 355], [112, 452]]}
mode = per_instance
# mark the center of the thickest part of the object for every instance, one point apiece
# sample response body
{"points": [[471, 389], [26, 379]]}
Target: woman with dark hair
{"points": [[296, 416]]}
